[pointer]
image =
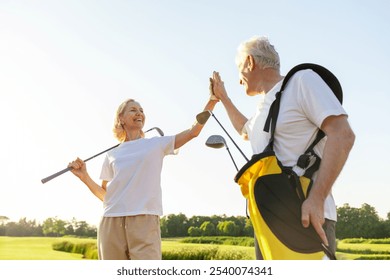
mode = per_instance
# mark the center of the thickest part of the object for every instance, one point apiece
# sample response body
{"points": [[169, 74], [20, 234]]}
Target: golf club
{"points": [[47, 179], [204, 116], [217, 142], [157, 129]]}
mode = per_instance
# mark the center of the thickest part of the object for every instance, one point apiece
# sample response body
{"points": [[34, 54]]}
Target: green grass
{"points": [[35, 248], [41, 248], [365, 250]]}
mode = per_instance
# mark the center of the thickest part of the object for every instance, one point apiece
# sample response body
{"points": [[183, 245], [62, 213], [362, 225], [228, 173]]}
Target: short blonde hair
{"points": [[262, 51], [118, 130]]}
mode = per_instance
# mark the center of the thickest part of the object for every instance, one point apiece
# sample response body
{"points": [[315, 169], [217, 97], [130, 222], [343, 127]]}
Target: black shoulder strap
{"points": [[329, 78]]}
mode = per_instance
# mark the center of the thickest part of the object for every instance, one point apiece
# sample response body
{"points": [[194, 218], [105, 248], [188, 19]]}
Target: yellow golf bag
{"points": [[275, 193]]}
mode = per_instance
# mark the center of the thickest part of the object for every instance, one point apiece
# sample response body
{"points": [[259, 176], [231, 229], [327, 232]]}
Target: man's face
{"points": [[246, 76]]}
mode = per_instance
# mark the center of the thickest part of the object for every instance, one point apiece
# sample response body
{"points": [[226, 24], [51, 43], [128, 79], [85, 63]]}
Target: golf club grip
{"points": [[47, 179]]}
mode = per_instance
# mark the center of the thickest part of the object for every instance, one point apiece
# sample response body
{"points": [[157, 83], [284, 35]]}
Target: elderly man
{"points": [[308, 105]]}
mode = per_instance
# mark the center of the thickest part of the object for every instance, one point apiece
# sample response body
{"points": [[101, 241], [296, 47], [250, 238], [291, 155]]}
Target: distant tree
{"points": [[207, 228], [248, 228], [347, 217], [197, 221], [194, 231], [69, 230], [361, 222], [3, 220], [23, 228], [13, 229], [174, 225], [50, 227], [163, 226], [54, 227], [240, 222], [228, 228], [373, 226], [386, 226], [82, 228]]}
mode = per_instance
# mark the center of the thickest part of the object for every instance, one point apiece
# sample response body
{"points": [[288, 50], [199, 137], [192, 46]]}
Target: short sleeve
{"points": [[317, 99], [107, 172], [168, 145]]}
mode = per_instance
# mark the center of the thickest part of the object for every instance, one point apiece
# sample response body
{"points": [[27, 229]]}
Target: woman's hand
{"points": [[79, 168]]}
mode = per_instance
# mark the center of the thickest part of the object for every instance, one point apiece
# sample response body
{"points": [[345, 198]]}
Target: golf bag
{"points": [[275, 193]]}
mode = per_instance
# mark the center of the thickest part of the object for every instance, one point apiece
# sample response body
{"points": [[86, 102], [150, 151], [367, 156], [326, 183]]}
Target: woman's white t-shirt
{"points": [[133, 172], [305, 103]]}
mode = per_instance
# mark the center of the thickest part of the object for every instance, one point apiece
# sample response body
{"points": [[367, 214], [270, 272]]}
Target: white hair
{"points": [[262, 51]]}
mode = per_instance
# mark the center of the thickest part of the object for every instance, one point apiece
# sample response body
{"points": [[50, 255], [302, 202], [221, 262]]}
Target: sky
{"points": [[65, 66]]}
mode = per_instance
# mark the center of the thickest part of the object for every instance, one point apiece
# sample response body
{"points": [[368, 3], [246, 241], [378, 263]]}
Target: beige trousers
{"points": [[129, 238]]}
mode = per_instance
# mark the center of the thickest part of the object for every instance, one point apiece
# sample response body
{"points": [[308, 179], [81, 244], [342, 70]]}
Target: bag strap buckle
{"points": [[304, 161]]}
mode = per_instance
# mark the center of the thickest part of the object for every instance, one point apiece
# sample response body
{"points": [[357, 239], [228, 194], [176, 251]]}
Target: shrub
{"points": [[221, 240], [204, 253], [192, 254], [88, 250], [366, 241]]}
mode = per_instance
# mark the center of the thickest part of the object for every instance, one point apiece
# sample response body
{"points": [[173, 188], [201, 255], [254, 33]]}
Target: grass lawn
{"points": [[35, 248], [351, 251], [40, 248]]}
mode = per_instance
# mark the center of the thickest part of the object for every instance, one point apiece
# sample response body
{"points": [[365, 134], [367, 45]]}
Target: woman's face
{"points": [[133, 116]]}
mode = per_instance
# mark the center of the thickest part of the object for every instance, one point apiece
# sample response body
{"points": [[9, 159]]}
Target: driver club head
{"points": [[216, 142], [203, 117]]}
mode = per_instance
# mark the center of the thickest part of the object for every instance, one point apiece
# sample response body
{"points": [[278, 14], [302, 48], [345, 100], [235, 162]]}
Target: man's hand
{"points": [[217, 88], [313, 213]]}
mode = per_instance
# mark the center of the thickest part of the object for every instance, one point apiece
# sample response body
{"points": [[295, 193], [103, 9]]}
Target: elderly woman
{"points": [[131, 186]]}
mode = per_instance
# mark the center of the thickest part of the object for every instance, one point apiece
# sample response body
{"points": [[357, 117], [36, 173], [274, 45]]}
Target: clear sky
{"points": [[65, 66]]}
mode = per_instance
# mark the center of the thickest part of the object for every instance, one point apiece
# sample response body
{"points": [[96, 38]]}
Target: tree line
{"points": [[51, 227], [363, 222]]}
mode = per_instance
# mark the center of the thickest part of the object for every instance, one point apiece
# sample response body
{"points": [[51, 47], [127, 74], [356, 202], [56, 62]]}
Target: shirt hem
{"points": [[132, 214]]}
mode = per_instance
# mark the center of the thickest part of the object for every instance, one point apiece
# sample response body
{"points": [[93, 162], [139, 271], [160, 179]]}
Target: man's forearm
{"points": [[338, 145], [236, 117]]}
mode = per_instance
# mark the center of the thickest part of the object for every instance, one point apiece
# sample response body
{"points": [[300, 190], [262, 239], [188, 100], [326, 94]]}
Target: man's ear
{"points": [[251, 62]]}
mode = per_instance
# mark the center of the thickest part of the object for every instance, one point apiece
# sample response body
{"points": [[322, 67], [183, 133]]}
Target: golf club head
{"points": [[157, 129], [216, 142], [202, 118]]}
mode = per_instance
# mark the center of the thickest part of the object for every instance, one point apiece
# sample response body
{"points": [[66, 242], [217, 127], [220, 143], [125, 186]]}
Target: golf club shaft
{"points": [[69, 168], [235, 165], [229, 136], [47, 179]]}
